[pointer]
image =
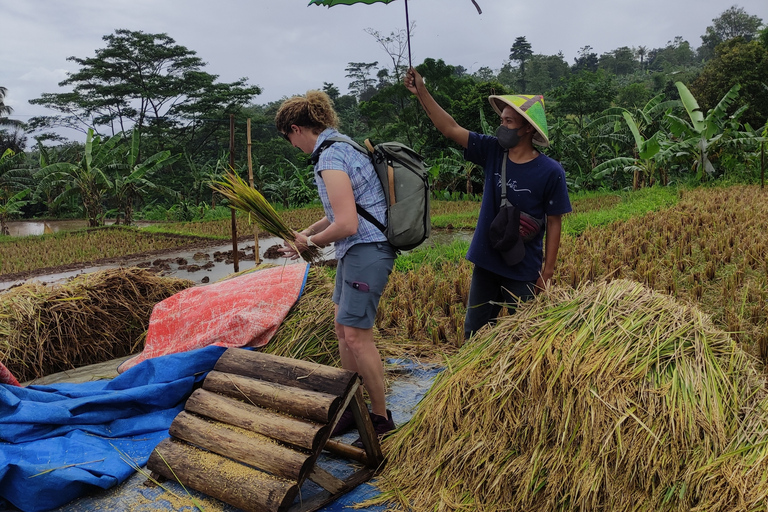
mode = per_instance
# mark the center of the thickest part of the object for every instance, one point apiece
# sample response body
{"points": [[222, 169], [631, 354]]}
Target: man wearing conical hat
{"points": [[508, 267]]}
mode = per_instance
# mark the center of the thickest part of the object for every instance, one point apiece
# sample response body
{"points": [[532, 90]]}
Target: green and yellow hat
{"points": [[530, 107]]}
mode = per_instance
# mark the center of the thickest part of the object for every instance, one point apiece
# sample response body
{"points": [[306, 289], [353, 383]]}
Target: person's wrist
{"points": [[310, 243]]}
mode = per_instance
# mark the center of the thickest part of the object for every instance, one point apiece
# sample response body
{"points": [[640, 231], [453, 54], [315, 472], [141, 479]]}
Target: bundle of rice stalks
{"points": [[94, 318], [249, 200], [308, 332], [607, 397]]}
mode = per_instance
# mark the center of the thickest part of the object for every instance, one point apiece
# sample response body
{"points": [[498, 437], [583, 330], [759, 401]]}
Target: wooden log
{"points": [[240, 486], [311, 405], [347, 451], [286, 371], [293, 431], [241, 446]]}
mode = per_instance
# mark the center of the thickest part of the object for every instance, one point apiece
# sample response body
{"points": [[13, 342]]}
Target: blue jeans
{"points": [[488, 292]]}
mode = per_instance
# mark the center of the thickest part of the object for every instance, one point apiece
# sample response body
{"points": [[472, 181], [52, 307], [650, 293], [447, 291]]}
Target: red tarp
{"points": [[238, 312]]}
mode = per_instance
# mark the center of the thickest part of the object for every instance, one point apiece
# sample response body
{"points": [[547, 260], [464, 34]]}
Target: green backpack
{"points": [[403, 177]]}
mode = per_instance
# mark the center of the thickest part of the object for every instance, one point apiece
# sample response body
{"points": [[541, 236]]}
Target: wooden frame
{"points": [[252, 434]]}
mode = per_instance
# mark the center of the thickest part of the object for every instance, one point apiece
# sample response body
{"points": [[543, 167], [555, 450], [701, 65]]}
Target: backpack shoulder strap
{"points": [[315, 156], [367, 152]]}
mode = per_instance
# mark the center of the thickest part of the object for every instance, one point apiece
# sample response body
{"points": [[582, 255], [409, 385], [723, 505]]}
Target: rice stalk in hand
{"points": [[249, 200]]}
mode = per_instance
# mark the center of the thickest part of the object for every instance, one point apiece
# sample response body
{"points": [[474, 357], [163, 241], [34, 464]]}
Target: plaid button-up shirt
{"points": [[366, 188]]}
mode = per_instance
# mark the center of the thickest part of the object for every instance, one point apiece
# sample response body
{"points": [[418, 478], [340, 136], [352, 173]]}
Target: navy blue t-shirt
{"points": [[537, 187]]}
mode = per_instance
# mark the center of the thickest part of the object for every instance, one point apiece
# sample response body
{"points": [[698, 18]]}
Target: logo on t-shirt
{"points": [[512, 184]]}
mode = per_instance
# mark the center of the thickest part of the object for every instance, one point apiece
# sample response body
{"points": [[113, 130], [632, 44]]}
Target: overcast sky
{"points": [[287, 47]]}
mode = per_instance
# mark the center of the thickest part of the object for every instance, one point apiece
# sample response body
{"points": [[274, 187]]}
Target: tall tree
{"points": [[395, 45], [584, 94], [363, 85], [521, 52], [145, 81], [733, 22], [586, 61], [620, 61], [675, 55], [641, 52], [736, 62]]}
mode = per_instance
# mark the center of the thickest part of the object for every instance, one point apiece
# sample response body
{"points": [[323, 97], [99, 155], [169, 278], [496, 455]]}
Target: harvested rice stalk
{"points": [[249, 200], [93, 318], [606, 397], [308, 331]]}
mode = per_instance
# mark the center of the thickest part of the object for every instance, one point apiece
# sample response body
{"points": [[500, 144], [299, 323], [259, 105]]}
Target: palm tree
{"points": [[641, 52], [5, 110]]}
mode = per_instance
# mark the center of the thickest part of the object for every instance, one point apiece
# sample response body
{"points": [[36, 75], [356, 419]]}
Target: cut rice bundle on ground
{"points": [[607, 397], [308, 332], [96, 317]]}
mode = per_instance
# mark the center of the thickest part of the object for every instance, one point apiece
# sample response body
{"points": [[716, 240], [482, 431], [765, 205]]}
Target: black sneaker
{"points": [[381, 425], [345, 424]]}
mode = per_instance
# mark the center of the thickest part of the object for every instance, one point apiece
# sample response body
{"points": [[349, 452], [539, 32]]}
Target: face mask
{"points": [[507, 138]]}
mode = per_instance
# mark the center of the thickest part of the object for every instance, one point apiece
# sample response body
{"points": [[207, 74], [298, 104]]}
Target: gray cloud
{"points": [[287, 47]]}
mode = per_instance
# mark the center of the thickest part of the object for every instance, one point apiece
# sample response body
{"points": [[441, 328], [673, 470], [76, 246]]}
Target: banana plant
{"points": [[86, 178], [644, 163], [133, 179], [9, 207], [695, 137]]}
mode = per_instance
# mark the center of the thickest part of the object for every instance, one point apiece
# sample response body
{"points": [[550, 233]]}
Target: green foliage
{"points": [[431, 255], [741, 62], [521, 52], [149, 82], [87, 178], [583, 94], [695, 138], [733, 22]]}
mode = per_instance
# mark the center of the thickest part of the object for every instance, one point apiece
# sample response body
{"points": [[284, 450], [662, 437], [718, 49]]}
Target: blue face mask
{"points": [[507, 138]]}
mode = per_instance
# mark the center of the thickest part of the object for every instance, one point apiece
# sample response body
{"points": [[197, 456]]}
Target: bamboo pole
{"points": [[250, 180], [232, 166]]}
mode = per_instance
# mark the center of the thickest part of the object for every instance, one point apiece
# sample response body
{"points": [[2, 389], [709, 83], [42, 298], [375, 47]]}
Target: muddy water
{"points": [[182, 264]]}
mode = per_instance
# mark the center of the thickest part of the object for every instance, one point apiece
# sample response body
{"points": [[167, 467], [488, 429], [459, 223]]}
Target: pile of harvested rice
{"points": [[308, 332], [607, 397], [94, 318]]}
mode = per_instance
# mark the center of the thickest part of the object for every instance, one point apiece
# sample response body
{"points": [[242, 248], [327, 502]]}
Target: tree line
{"points": [[154, 122]]}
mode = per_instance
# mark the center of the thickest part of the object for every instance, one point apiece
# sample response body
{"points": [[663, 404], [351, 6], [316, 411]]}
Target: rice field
{"points": [[38, 252]]}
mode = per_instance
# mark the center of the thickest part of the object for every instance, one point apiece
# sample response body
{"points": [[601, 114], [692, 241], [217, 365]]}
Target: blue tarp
{"points": [[72, 441], [60, 442]]}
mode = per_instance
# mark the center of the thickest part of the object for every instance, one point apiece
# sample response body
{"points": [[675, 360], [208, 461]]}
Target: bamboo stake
{"points": [[232, 166], [250, 180]]}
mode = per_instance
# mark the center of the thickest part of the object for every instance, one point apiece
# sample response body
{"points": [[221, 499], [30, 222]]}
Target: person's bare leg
{"points": [[359, 354]]}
